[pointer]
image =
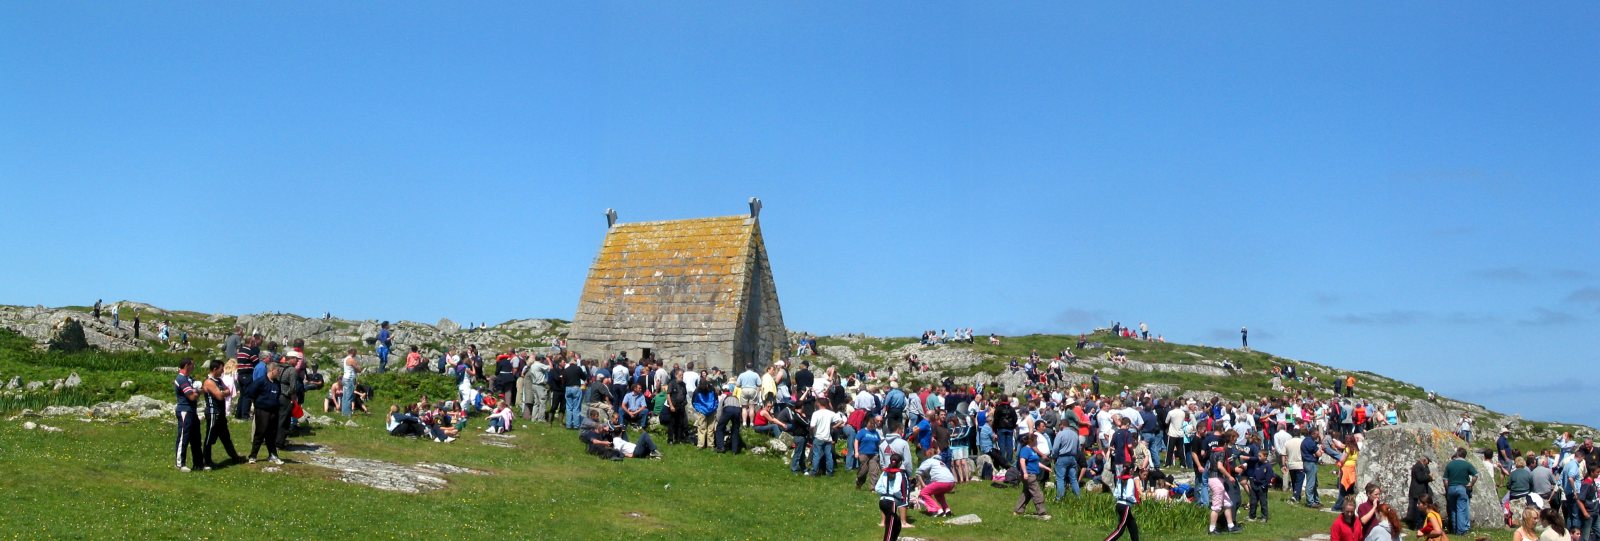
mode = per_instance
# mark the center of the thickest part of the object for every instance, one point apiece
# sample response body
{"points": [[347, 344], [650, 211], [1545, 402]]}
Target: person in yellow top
{"points": [[769, 382], [1347, 475], [1432, 526]]}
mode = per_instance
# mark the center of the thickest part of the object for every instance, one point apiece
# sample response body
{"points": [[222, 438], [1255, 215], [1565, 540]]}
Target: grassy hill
{"points": [[542, 486]]}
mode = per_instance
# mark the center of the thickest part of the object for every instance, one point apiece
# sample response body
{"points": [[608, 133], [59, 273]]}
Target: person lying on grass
{"points": [[606, 442]]}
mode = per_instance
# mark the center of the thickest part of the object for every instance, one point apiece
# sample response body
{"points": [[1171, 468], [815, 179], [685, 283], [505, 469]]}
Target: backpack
{"points": [[888, 485]]}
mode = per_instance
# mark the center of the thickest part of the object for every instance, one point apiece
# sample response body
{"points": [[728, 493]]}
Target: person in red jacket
{"points": [[1346, 527]]}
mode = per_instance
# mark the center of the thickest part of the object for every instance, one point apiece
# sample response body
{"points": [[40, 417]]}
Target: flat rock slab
{"points": [[422, 477], [498, 440], [964, 519]]}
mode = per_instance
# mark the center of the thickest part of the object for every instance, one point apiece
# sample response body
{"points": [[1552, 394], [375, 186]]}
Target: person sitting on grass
{"points": [[500, 419], [436, 420], [313, 378], [406, 423], [331, 401]]}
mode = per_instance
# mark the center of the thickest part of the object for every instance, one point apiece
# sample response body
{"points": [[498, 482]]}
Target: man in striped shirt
{"points": [[245, 362]]}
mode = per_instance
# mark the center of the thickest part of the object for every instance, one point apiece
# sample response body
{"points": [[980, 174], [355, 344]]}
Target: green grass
{"points": [[105, 479], [547, 488]]}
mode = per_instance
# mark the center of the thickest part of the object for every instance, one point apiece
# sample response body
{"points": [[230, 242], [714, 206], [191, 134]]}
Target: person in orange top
{"points": [[1350, 386]]}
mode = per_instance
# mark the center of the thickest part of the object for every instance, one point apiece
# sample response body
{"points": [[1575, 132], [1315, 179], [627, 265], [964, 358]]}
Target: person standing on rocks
{"points": [[188, 423], [1244, 338], [97, 309], [136, 322], [217, 394], [116, 316], [385, 341]]}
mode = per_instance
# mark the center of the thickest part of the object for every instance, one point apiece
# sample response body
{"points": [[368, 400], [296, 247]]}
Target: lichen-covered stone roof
{"points": [[679, 280]]}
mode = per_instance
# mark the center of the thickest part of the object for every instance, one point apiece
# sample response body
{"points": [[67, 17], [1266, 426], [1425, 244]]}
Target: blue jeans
{"points": [[1066, 469], [1202, 489], [850, 461], [821, 455], [770, 431], [1158, 447], [383, 358], [574, 396], [347, 397], [1461, 512], [798, 463], [1008, 441], [1311, 484]]}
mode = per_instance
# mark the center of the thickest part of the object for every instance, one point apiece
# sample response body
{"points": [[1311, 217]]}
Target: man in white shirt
{"points": [[1175, 434], [691, 378], [865, 400], [823, 421]]}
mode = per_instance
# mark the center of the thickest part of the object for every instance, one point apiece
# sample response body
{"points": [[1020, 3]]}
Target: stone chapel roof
{"points": [[677, 280]]}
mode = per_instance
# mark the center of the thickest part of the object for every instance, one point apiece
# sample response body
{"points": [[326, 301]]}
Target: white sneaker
{"points": [[489, 430], [275, 460], [448, 440], [183, 469], [252, 461]]}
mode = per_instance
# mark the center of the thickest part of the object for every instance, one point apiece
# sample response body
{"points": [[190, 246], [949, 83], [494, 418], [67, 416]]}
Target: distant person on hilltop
{"points": [[136, 324], [385, 341], [97, 310], [116, 316], [1244, 337]]}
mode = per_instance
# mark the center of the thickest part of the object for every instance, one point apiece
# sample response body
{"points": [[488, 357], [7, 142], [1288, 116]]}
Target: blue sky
{"points": [[1405, 188]]}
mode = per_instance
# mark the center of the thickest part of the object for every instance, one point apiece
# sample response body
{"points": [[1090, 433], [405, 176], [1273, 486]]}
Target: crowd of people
{"points": [[913, 443]]}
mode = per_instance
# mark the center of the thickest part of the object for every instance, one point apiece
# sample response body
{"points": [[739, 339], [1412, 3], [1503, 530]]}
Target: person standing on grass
{"points": [[573, 377], [291, 386], [188, 423], [823, 422], [1219, 475], [865, 448], [347, 382], [1128, 492], [1258, 472], [1066, 448], [1310, 458], [1459, 476], [244, 362], [267, 397], [894, 494], [1030, 464], [531, 387], [217, 394], [729, 424], [1421, 487]]}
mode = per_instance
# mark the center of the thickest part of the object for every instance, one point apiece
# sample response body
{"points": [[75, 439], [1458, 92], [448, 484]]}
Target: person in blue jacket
{"points": [[705, 404], [266, 395]]}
